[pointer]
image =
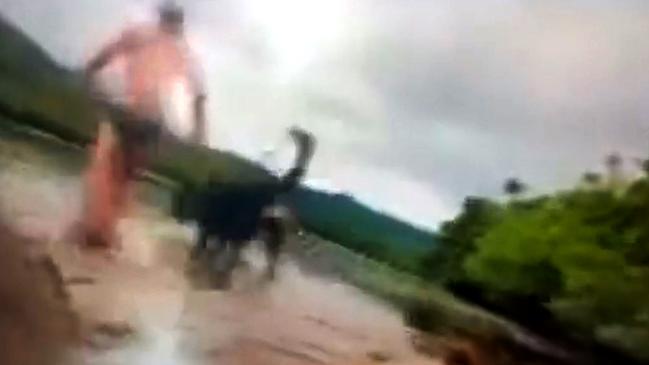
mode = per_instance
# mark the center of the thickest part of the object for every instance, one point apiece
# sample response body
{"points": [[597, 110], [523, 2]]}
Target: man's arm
{"points": [[200, 134], [108, 52], [196, 75], [101, 59]]}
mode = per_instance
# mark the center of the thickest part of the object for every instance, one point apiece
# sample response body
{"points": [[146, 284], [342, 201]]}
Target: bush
{"points": [[582, 254]]}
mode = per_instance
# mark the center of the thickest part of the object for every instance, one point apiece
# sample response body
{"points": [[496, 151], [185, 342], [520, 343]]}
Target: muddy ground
{"points": [[150, 304]]}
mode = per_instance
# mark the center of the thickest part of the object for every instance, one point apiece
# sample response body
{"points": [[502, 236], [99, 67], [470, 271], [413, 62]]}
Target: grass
{"points": [[425, 305]]}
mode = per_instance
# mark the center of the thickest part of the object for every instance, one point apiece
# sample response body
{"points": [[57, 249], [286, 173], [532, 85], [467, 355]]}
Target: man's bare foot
{"points": [[94, 239], [98, 245]]}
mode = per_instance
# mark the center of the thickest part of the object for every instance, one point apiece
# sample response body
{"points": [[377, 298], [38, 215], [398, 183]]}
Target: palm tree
{"points": [[591, 178], [644, 165], [613, 164], [514, 187], [613, 161]]}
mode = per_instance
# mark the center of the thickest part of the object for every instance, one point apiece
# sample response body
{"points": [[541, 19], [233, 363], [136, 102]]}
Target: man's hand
{"points": [[91, 86], [126, 42], [199, 136]]}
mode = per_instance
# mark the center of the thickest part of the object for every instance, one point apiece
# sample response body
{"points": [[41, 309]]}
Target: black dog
{"points": [[234, 214]]}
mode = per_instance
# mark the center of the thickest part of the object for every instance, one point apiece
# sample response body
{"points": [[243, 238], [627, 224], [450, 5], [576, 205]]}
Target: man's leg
{"points": [[104, 186], [117, 158], [273, 235], [201, 244], [135, 159], [129, 156]]}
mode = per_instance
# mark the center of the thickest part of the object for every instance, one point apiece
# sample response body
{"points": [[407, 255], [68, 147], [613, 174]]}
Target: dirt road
{"points": [[148, 306], [161, 314]]}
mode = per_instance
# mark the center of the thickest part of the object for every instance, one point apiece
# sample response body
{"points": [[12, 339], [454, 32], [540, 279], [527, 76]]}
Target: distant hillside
{"points": [[19, 55], [37, 92], [344, 219]]}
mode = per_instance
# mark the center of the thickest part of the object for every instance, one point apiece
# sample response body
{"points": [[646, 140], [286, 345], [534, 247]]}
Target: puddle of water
{"points": [[156, 346]]}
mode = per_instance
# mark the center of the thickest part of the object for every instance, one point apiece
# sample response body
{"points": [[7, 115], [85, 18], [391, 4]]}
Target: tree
{"points": [[644, 166], [457, 239], [582, 254], [514, 187], [613, 164], [613, 161], [591, 178]]}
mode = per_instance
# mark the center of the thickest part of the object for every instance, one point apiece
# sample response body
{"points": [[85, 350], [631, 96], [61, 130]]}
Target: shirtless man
{"points": [[156, 59]]}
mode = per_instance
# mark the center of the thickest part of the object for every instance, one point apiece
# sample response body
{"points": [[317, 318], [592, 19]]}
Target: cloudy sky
{"points": [[416, 103]]}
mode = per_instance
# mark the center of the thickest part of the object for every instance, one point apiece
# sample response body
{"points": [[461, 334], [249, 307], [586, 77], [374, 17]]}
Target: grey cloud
{"points": [[544, 93]]}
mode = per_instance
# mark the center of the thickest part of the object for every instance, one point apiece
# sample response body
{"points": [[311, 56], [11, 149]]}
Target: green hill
{"points": [[341, 218]]}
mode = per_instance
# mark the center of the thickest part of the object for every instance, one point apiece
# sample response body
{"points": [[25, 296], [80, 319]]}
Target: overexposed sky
{"points": [[416, 103]]}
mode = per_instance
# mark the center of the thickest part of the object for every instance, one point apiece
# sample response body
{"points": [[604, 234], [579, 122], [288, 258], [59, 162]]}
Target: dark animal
{"points": [[234, 214]]}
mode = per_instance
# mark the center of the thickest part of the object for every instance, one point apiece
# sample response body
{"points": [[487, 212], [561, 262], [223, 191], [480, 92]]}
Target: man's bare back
{"points": [[156, 59], [155, 62]]}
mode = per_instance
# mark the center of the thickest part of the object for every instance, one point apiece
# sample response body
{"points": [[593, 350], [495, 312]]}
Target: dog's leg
{"points": [[218, 246], [232, 252], [272, 253], [273, 236], [201, 244]]}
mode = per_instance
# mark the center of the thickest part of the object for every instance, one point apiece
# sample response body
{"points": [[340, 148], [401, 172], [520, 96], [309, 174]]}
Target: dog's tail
{"points": [[305, 144]]}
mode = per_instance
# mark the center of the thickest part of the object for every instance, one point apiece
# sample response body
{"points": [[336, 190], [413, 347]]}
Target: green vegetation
{"points": [[342, 219], [425, 305], [582, 255], [443, 311]]}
